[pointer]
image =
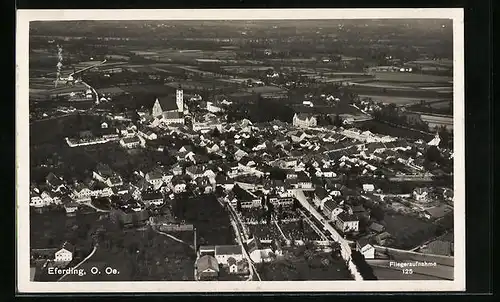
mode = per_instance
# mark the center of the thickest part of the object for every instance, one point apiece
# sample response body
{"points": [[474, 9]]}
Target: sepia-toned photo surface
{"points": [[281, 150]]}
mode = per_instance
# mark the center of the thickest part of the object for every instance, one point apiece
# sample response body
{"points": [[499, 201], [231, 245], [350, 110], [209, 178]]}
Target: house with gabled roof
{"points": [[36, 201], [224, 252], [298, 136], [376, 227], [178, 185], [347, 223], [320, 197], [65, 253], [155, 177], [254, 248], [54, 182], [239, 154], [304, 120], [207, 268], [365, 248], [204, 184], [152, 197], [195, 171]]}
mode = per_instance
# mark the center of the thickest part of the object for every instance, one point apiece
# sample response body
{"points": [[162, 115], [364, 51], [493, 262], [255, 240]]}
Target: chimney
{"points": [[194, 240]]}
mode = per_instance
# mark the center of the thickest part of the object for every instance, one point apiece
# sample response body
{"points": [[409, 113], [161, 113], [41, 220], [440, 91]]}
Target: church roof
{"points": [[167, 103], [172, 115]]}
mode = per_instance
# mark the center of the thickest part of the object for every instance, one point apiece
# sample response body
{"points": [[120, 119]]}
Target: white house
{"points": [[211, 107], [167, 179], [325, 173], [177, 169], [420, 194], [211, 175], [335, 193], [49, 199], [65, 254], [178, 185], [239, 154], [71, 207], [255, 250], [298, 136], [213, 148], [335, 213], [36, 201], [173, 118], [368, 187], [233, 267], [365, 248], [130, 142], [347, 223], [155, 178], [148, 135]]}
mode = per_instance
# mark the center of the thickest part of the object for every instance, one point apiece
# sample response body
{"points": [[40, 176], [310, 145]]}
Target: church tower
{"points": [[179, 98]]}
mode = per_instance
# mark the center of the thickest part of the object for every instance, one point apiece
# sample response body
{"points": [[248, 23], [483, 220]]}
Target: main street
{"points": [[242, 237]]}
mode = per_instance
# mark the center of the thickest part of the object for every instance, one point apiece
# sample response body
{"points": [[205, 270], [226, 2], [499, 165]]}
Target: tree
{"points": [[433, 155], [337, 121], [377, 213], [251, 142], [238, 205], [277, 174], [216, 133]]}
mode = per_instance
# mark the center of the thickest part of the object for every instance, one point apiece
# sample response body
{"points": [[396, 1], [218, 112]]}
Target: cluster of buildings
{"points": [[254, 164], [213, 261]]}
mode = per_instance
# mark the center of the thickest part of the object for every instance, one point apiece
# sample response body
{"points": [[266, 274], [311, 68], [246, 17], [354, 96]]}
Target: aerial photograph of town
{"points": [[241, 150]]}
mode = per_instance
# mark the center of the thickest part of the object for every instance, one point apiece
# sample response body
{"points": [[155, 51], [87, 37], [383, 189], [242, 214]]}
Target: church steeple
{"points": [[179, 99]]}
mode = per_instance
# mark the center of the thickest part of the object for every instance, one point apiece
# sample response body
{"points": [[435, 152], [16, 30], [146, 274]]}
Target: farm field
{"points": [[266, 89], [399, 100], [444, 63], [411, 77], [149, 89]]}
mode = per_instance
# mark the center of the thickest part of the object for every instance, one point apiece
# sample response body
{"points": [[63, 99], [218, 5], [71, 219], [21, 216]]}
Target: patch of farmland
{"points": [[144, 53]]}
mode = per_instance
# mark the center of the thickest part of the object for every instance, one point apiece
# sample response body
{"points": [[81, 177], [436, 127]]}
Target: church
{"points": [[170, 110]]}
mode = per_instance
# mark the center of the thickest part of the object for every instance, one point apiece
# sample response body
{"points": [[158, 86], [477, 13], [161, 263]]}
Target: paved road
{"points": [[240, 233]]}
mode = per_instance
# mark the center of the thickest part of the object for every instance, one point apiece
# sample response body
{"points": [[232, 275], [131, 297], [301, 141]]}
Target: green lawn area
{"points": [[52, 228], [408, 231], [300, 268]]}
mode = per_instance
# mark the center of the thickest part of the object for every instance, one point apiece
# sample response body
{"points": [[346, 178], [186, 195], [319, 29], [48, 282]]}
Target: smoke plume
{"points": [[59, 62]]}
